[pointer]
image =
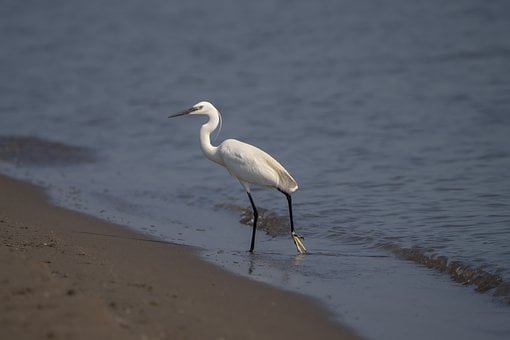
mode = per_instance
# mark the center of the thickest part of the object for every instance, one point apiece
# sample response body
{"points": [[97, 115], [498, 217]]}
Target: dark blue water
{"points": [[392, 116]]}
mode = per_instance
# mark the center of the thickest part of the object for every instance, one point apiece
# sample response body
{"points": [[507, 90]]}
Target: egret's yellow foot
{"points": [[298, 243]]}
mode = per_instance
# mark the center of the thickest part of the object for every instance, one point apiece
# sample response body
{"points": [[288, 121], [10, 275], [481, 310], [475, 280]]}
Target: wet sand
{"points": [[68, 275]]}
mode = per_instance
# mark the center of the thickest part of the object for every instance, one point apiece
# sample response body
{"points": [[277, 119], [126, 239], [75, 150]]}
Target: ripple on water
{"points": [[21, 150]]}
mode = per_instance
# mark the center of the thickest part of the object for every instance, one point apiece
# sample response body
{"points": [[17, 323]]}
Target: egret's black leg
{"points": [[289, 201], [255, 217], [295, 237]]}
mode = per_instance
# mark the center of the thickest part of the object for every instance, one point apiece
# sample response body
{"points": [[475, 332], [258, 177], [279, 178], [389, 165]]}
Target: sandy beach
{"points": [[67, 275]]}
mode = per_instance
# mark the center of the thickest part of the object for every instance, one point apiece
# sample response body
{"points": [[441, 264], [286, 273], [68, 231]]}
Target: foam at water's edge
{"points": [[272, 223], [460, 272]]}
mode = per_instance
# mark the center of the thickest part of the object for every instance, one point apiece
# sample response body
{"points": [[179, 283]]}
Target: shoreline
{"points": [[64, 274]]}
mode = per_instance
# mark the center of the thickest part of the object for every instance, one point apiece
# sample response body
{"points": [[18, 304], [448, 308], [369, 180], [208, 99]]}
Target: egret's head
{"points": [[201, 108]]}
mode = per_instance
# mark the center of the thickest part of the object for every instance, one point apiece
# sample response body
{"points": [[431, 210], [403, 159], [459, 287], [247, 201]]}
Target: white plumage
{"points": [[252, 165], [247, 163]]}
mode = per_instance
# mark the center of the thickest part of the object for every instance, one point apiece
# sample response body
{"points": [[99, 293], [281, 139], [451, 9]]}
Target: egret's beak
{"points": [[185, 112]]}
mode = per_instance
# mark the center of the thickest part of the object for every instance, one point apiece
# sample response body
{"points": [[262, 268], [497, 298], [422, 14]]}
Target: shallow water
{"points": [[392, 117]]}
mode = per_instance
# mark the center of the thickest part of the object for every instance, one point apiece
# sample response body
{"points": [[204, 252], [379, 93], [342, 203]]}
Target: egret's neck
{"points": [[209, 150]]}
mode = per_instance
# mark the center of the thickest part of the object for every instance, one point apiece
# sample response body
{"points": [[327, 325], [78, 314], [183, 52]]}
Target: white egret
{"points": [[248, 164]]}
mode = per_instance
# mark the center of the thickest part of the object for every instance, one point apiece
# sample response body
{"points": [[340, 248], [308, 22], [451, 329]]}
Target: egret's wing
{"points": [[255, 166]]}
